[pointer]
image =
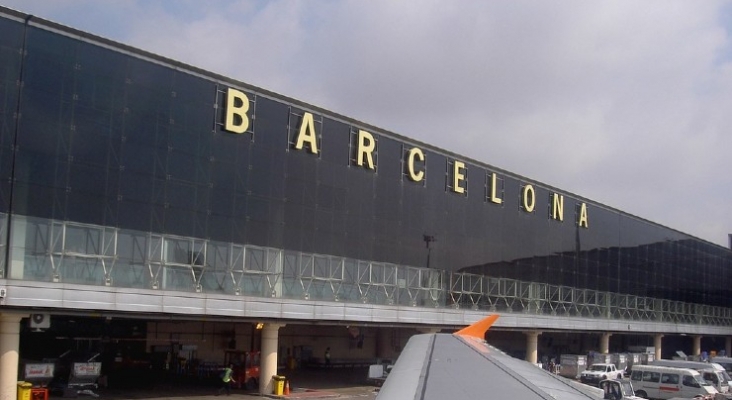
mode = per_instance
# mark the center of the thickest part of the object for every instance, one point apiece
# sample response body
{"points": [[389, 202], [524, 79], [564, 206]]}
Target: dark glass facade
{"points": [[98, 133]]}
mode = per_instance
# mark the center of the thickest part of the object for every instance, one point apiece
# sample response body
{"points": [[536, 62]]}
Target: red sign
{"points": [[38, 371]]}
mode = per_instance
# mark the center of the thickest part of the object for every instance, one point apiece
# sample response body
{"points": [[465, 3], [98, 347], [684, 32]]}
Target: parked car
{"points": [[599, 372]]}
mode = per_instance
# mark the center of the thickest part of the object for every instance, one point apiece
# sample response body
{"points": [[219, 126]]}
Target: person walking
{"points": [[327, 357], [226, 378]]}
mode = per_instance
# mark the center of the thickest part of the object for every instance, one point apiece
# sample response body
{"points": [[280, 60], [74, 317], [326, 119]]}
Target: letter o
{"points": [[528, 198]]}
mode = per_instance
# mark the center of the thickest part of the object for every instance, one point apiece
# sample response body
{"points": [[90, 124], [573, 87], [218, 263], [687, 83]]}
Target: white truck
{"points": [[599, 372]]}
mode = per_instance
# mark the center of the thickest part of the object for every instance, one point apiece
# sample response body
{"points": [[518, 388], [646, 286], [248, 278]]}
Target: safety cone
{"points": [[287, 388]]}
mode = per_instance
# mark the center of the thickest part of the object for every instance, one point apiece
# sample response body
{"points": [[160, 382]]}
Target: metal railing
{"points": [[58, 251]]}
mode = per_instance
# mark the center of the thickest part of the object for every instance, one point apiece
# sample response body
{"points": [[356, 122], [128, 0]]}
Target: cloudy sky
{"points": [[627, 103]]}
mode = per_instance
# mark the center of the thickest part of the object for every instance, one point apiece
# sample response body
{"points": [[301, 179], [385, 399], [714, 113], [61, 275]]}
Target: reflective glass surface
{"points": [[11, 43], [110, 139]]}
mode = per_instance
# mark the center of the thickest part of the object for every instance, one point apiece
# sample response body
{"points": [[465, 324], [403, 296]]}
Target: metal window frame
{"points": [[237, 269]]}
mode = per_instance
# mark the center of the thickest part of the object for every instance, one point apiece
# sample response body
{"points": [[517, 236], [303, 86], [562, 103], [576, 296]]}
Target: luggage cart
{"points": [[38, 375], [83, 379]]}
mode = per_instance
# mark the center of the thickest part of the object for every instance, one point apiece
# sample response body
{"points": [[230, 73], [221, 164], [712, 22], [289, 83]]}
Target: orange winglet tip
{"points": [[479, 328]]}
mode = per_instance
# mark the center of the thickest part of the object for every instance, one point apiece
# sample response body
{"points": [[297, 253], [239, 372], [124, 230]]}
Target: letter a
{"points": [[583, 218], [307, 134]]}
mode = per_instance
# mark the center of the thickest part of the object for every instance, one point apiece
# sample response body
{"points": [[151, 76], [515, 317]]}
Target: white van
{"points": [[710, 372], [725, 362], [656, 382]]}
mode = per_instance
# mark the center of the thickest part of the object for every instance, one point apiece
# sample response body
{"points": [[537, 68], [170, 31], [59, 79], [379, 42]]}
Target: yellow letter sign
{"points": [[582, 220], [366, 146], [307, 134], [415, 175], [558, 207], [234, 97], [528, 198], [494, 193], [458, 176]]}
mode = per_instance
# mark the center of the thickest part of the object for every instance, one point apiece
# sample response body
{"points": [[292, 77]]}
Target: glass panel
{"points": [[109, 139]]}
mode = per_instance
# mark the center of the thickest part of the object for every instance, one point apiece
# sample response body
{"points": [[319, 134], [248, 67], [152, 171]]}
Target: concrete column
{"points": [[9, 348], [605, 343], [696, 345], [657, 345], [728, 346], [383, 343], [268, 358], [532, 344]]}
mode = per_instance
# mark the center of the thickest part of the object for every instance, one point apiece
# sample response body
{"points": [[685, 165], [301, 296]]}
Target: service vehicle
{"points": [[725, 362], [599, 372], [657, 382], [616, 389], [246, 367], [379, 372], [711, 372]]}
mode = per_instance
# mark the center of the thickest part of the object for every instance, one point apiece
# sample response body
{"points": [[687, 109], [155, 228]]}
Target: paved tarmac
{"points": [[339, 383]]}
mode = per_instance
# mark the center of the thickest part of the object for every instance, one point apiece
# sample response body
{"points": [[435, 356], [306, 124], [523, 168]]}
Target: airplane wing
{"points": [[463, 366]]}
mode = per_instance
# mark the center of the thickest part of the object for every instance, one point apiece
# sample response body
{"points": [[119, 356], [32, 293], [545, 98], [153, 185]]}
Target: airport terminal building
{"points": [[138, 188]]}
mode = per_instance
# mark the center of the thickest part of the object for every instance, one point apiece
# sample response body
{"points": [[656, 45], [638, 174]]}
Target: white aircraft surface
{"points": [[462, 365]]}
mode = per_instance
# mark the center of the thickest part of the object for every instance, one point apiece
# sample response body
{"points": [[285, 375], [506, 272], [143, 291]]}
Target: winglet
{"points": [[479, 328]]}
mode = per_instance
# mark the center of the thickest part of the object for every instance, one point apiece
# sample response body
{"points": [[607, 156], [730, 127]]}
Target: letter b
{"points": [[237, 106]]}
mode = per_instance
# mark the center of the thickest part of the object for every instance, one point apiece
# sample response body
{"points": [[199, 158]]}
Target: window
{"points": [[670, 379], [711, 377], [636, 376], [690, 381], [651, 376]]}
